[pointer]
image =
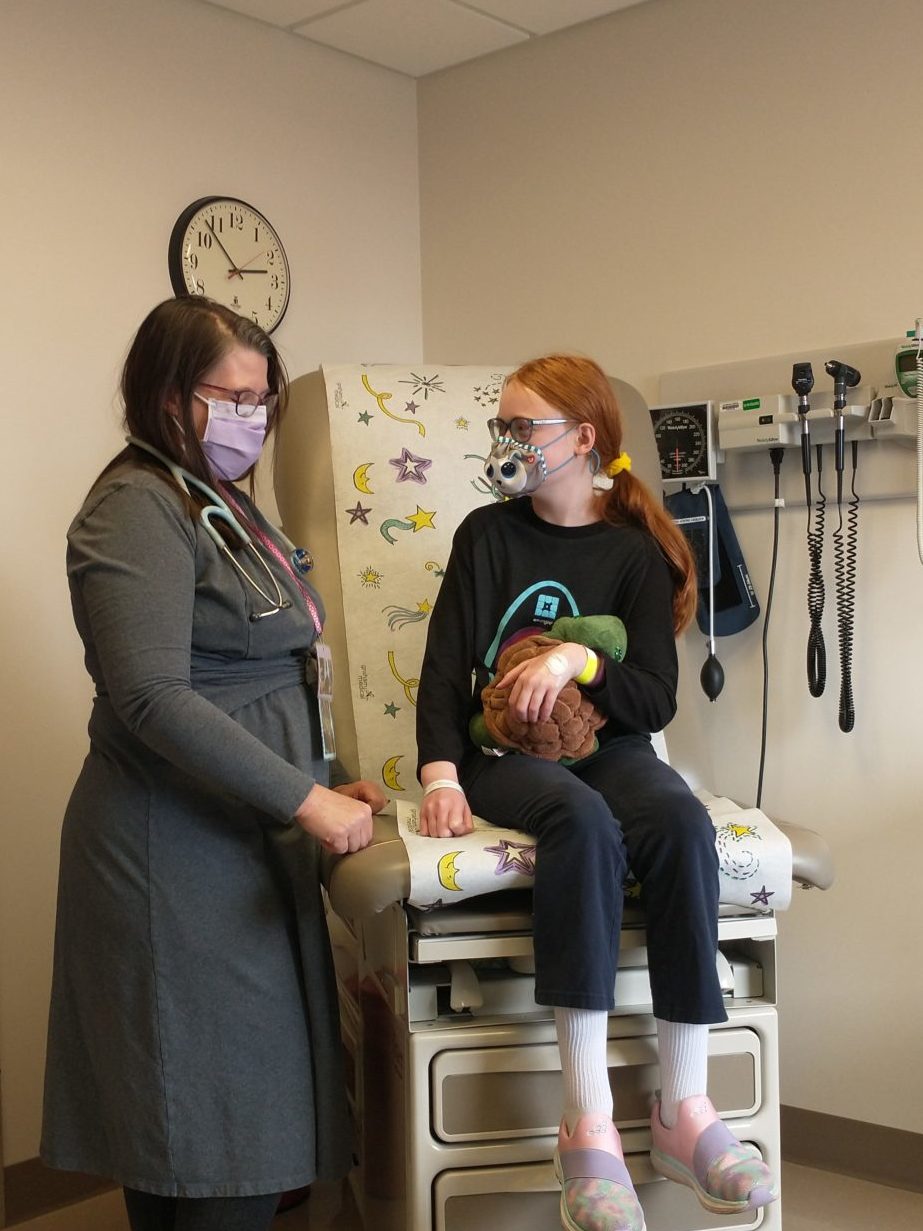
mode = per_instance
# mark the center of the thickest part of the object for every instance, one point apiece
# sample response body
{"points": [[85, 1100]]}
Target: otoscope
{"points": [[803, 383], [844, 377], [845, 548]]}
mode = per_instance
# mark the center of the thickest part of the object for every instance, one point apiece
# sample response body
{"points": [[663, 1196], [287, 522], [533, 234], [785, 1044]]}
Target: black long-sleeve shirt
{"points": [[510, 570]]}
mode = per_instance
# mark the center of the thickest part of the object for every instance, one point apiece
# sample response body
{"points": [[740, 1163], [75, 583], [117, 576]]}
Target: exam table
{"points": [[453, 1072]]}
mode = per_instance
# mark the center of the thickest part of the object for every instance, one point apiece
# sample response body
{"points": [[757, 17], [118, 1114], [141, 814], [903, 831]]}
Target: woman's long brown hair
{"points": [[175, 346], [580, 389]]}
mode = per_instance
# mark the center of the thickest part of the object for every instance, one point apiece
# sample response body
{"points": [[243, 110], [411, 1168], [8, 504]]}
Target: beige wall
{"points": [[632, 188], [125, 112], [694, 182]]}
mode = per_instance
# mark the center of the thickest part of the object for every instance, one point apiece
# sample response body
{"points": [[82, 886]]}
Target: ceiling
{"points": [[417, 37]]}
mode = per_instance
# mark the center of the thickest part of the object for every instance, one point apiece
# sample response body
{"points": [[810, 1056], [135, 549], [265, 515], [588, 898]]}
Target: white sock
{"points": [[582, 1044], [683, 1065]]}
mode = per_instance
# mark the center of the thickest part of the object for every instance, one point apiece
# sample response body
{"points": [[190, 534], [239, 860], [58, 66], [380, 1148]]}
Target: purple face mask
{"points": [[232, 443]]}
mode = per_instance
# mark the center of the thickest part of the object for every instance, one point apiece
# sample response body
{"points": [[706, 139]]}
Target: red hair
{"points": [[580, 389]]}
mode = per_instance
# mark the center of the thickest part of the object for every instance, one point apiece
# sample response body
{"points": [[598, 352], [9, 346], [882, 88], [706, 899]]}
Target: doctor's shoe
{"points": [[702, 1153], [596, 1189]]}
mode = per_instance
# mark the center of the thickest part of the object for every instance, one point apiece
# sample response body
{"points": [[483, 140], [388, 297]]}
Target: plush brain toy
{"points": [[569, 733]]}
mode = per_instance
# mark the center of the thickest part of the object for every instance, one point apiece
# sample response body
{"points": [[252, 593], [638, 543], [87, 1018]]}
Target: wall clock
{"points": [[224, 248]]}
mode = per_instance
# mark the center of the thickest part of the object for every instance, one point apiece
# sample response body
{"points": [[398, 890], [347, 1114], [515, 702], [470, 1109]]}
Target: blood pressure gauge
{"points": [[684, 442]]}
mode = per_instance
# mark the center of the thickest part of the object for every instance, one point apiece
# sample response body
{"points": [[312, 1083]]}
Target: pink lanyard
{"points": [[274, 551]]}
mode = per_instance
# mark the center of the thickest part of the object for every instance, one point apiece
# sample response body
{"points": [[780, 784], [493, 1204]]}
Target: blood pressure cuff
{"points": [[734, 597]]}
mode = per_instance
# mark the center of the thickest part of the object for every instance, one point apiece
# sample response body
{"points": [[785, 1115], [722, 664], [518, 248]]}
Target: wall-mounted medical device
{"points": [[685, 436], [905, 362], [771, 420], [826, 424], [686, 446], [893, 418]]}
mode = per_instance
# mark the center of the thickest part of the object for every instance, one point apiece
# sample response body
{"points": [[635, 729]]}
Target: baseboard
{"points": [[873, 1152], [32, 1189]]}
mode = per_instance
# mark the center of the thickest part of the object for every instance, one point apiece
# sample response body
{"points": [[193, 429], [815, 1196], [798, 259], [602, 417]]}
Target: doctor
{"points": [[194, 1046]]}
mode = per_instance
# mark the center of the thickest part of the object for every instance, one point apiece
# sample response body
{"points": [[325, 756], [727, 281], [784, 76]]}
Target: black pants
{"points": [[147, 1212], [620, 807]]}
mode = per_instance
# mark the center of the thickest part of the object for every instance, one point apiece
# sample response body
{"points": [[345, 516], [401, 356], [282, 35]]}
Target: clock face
{"points": [[225, 249], [683, 439]]}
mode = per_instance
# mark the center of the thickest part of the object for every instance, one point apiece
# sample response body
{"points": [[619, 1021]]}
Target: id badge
{"points": [[325, 697]]}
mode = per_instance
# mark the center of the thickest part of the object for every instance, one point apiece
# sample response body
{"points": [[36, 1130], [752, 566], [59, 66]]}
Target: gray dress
{"points": [[194, 1045]]}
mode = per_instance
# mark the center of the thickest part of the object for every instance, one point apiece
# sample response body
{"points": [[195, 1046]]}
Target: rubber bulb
{"points": [[712, 677]]}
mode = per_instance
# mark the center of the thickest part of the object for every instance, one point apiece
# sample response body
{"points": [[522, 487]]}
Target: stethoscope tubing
{"points": [[220, 509]]}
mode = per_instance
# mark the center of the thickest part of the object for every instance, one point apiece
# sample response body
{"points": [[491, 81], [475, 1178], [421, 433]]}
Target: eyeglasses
{"points": [[245, 400], [519, 428]]}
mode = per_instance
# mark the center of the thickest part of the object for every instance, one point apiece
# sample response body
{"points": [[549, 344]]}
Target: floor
{"points": [[814, 1201]]}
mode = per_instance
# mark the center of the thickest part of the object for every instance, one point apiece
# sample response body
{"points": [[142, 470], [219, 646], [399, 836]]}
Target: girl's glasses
{"points": [[520, 428]]}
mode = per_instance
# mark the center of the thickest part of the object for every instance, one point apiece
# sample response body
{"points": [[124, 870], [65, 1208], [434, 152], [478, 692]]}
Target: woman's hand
{"points": [[535, 684], [369, 792], [340, 822]]}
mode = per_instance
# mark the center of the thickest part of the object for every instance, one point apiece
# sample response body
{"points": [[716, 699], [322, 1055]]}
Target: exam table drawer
{"points": [[493, 1093]]}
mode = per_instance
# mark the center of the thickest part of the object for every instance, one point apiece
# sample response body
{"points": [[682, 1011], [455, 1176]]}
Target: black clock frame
{"points": [[178, 236]]}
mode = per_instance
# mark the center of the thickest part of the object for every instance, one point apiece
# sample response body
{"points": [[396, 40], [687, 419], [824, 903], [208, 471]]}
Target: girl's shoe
{"points": [[702, 1153], [596, 1190]]}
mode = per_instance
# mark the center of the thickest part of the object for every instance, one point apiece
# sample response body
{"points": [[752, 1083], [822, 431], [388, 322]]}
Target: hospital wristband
{"points": [[590, 671], [440, 783]]}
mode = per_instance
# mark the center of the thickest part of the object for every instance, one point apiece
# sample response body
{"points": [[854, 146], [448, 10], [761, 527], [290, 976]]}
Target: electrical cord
{"points": [[817, 650], [776, 457], [845, 558]]}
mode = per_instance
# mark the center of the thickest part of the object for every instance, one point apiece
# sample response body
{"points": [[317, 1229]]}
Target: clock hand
{"points": [[233, 270], [243, 268]]}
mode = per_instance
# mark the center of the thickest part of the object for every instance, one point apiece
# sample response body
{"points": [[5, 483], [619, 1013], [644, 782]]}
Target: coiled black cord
{"points": [[845, 557], [817, 650]]}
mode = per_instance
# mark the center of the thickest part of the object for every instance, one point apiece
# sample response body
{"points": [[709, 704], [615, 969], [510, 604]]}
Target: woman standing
{"points": [[194, 1049]]}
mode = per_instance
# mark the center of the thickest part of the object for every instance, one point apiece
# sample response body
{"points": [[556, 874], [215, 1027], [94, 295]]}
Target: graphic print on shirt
{"points": [[536, 607]]}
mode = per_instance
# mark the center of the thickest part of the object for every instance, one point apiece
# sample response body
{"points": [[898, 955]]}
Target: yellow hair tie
{"points": [[622, 462]]}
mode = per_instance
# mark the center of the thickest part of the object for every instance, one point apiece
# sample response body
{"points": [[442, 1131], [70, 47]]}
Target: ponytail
{"points": [[630, 501]]}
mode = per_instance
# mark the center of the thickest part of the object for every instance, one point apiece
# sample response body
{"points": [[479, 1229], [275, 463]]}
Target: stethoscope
{"points": [[219, 510]]}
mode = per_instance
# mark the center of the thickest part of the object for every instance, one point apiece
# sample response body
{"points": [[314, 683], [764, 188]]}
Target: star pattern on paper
{"points": [[762, 896], [425, 385], [411, 467], [369, 577], [365, 418], [743, 831], [392, 710], [514, 857], [358, 514], [411, 408], [421, 519]]}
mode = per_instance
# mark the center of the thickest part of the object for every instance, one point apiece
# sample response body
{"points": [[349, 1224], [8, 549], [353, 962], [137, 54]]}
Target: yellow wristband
{"points": [[588, 674]]}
